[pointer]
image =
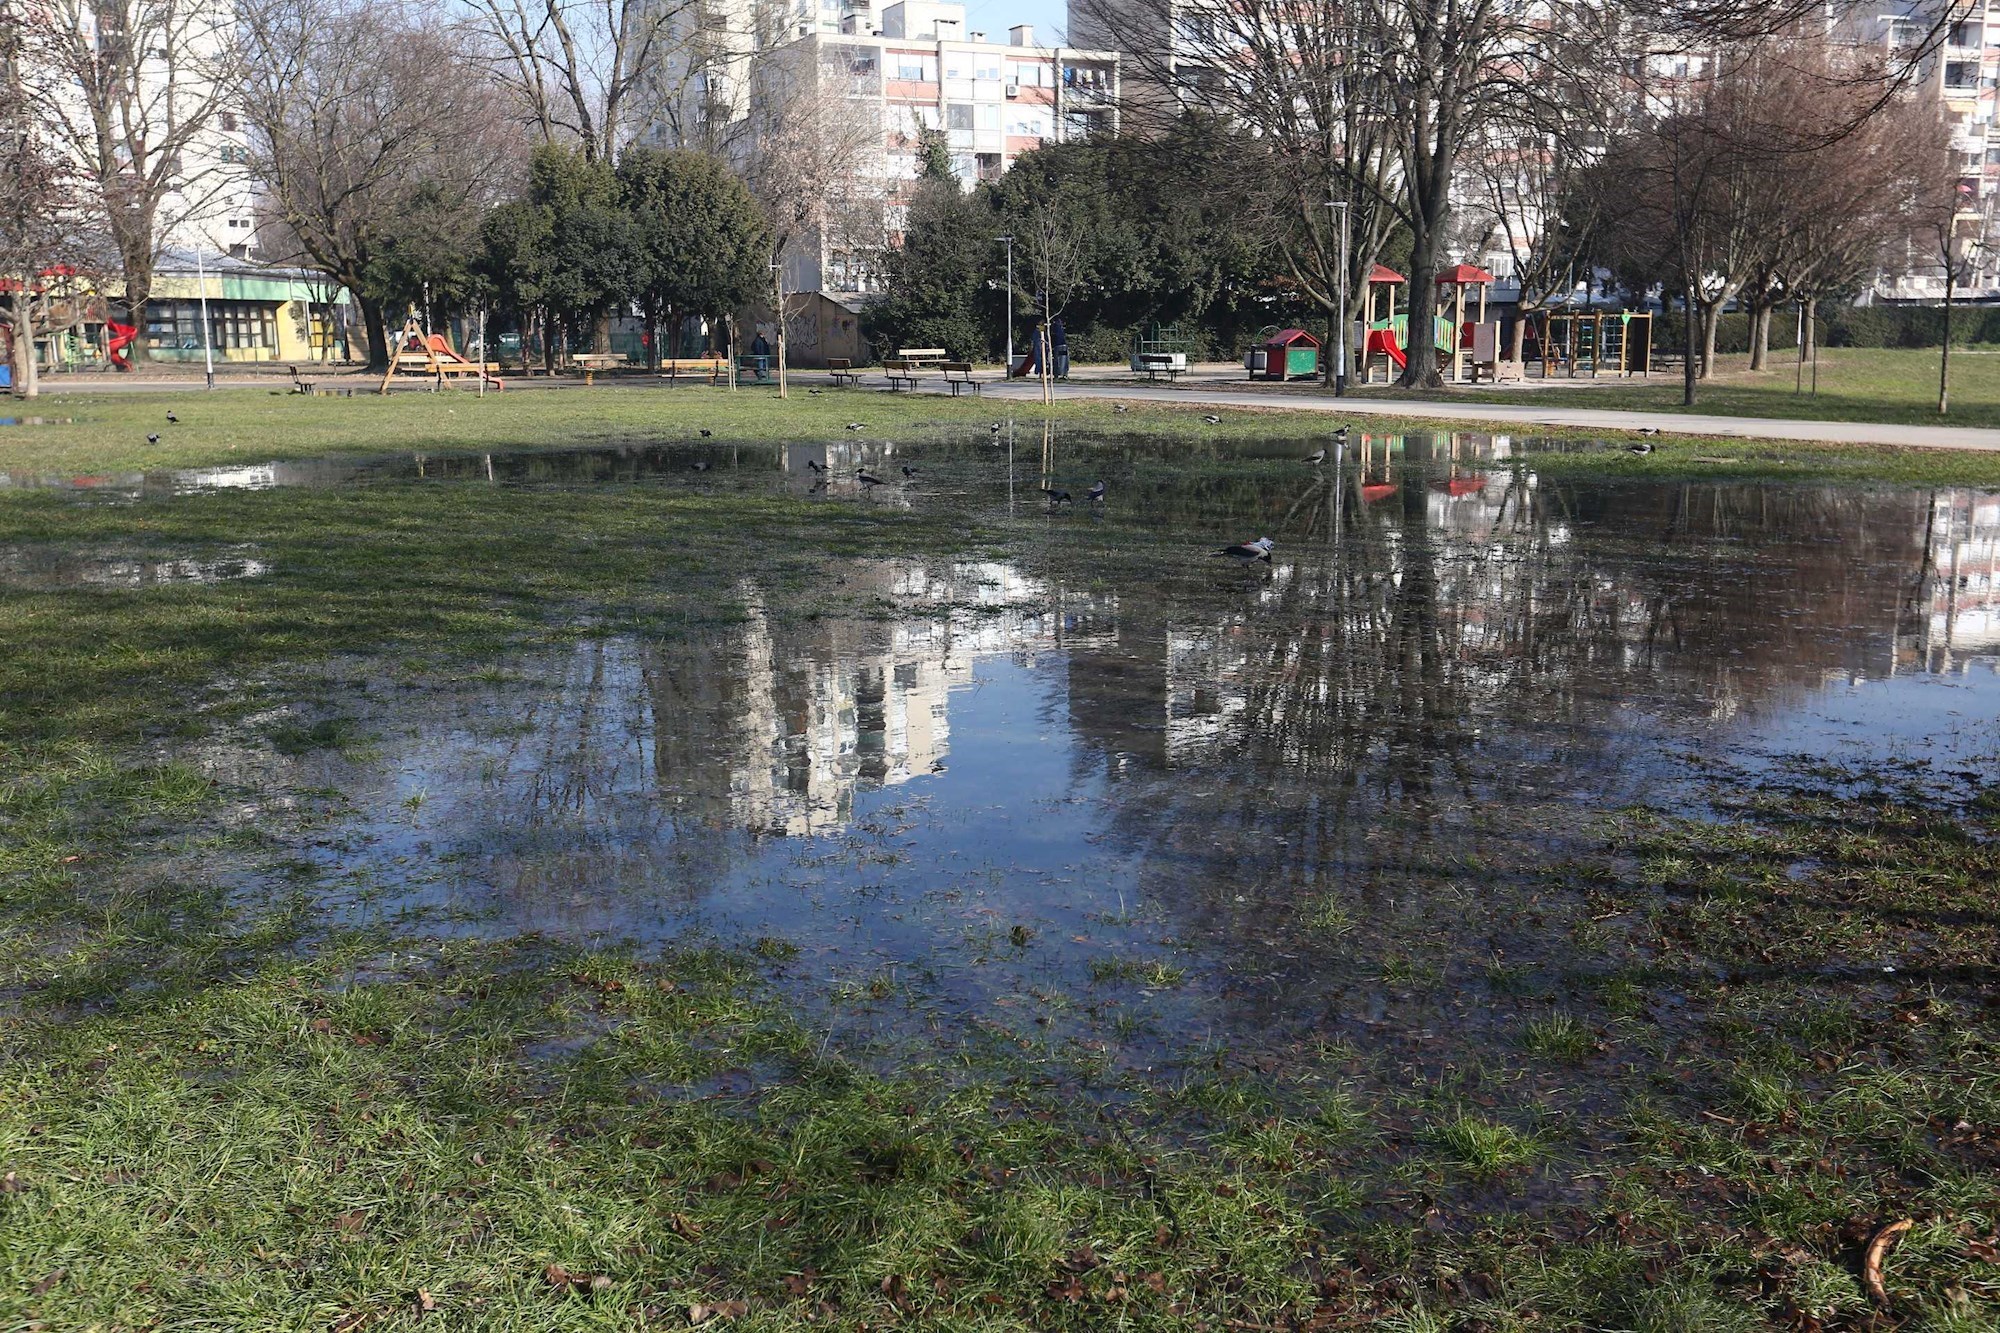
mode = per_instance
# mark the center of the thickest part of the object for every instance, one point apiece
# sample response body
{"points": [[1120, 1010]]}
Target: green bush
{"points": [[1847, 326]]}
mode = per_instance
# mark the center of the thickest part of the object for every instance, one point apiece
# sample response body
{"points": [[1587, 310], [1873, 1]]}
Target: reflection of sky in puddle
{"points": [[46, 568], [1407, 724]]}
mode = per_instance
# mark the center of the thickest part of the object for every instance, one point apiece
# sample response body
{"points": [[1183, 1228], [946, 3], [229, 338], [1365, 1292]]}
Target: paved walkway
{"points": [[1527, 415]]}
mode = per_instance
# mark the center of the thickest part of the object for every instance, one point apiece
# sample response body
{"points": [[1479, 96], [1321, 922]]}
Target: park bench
{"points": [[842, 370], [917, 357], [1155, 364], [713, 367], [958, 377], [759, 366], [900, 373], [592, 362]]}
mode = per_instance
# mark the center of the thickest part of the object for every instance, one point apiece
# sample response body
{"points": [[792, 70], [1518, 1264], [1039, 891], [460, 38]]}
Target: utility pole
{"points": [[207, 346], [1340, 331], [1007, 372], [778, 289]]}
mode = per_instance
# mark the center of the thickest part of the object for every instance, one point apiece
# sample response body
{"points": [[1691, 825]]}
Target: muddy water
{"points": [[1070, 794]]}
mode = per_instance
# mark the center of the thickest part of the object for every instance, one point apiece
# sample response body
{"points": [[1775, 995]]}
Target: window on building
{"points": [[985, 68], [986, 117], [958, 116], [1963, 33], [1961, 74], [226, 121]]}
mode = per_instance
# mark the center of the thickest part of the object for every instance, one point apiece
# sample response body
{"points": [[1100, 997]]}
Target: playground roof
{"points": [[1383, 273], [1286, 337], [1464, 275]]}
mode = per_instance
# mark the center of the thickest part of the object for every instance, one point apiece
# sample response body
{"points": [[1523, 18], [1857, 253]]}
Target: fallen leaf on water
{"points": [[1871, 1262]]}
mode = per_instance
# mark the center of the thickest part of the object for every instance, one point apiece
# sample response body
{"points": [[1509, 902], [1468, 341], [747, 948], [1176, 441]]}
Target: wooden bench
{"points": [[900, 373], [1155, 364], [592, 362], [958, 377], [842, 370], [713, 367], [917, 356]]}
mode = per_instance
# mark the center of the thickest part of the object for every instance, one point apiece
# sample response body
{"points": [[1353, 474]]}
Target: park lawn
{"points": [[107, 433], [1898, 385], [219, 1111]]}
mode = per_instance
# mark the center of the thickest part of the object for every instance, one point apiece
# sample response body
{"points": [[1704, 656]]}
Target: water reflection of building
{"points": [[1960, 615], [777, 729]]}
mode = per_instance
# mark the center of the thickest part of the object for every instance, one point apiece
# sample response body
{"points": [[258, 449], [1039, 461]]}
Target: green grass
{"points": [[1855, 384]]}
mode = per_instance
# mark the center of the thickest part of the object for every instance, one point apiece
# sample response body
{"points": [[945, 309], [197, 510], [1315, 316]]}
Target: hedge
{"points": [[1848, 326]]}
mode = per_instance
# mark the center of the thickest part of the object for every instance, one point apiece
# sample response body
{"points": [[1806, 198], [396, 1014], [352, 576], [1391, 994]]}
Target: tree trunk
{"points": [[1809, 332], [378, 335], [1760, 336], [652, 339], [26, 383], [1711, 322], [600, 332], [1517, 341], [1690, 347], [1422, 371]]}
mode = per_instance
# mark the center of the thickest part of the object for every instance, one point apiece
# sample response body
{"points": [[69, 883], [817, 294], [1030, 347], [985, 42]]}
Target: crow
{"points": [[908, 472], [1057, 497], [868, 480], [817, 466], [1212, 419], [1249, 552], [1649, 430], [703, 466], [1096, 493], [152, 439], [1120, 407], [1641, 448], [707, 434], [1316, 458], [813, 393], [172, 420], [857, 425]]}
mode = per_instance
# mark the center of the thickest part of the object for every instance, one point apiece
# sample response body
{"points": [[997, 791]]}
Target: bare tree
{"points": [[132, 91], [366, 117], [583, 69]]}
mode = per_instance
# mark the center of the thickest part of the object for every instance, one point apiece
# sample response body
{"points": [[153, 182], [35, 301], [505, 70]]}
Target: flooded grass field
{"points": [[643, 886]]}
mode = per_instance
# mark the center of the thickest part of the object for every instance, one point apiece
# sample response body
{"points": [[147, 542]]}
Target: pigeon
{"points": [[1316, 458], [908, 472], [1212, 419], [1057, 497], [1096, 493], [172, 420], [152, 439], [703, 466], [1640, 448], [869, 480], [857, 425], [1249, 552], [816, 466], [707, 434]]}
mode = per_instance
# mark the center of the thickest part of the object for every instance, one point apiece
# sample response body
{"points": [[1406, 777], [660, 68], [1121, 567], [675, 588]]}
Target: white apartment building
{"points": [[883, 81]]}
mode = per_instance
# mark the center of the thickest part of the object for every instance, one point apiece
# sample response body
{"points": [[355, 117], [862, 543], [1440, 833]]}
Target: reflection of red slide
{"points": [[1384, 341], [122, 336]]}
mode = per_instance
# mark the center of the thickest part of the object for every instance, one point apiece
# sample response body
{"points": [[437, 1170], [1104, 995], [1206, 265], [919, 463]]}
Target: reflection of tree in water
{"points": [[1423, 689]]}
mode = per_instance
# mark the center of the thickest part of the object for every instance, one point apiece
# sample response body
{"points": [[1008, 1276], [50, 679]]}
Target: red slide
{"points": [[122, 336], [1384, 341]]}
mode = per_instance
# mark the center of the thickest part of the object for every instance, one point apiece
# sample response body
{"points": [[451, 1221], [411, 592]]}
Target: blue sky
{"points": [[994, 17]]}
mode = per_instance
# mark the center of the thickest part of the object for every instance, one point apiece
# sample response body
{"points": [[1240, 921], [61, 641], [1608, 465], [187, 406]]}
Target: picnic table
{"points": [[592, 362]]}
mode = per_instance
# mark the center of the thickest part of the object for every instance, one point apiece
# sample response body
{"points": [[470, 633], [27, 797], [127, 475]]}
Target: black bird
{"points": [[152, 439], [1212, 419], [707, 434], [1340, 436], [908, 472], [817, 466], [813, 393], [1316, 458], [1096, 493], [1249, 552], [703, 466], [1057, 497], [995, 428], [857, 425], [869, 480], [172, 420], [1641, 448]]}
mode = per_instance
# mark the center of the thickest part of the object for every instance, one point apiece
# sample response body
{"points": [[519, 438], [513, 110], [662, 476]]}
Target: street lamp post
{"points": [[778, 289], [207, 345], [1007, 372], [1340, 333]]}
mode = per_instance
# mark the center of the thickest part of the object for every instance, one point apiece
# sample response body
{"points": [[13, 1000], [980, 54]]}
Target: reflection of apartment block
{"points": [[1961, 615]]}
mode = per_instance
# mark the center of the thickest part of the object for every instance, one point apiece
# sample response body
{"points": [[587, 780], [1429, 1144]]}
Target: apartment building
{"points": [[877, 84]]}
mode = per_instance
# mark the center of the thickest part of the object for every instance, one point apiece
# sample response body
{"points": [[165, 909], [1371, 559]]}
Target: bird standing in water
{"points": [[1249, 552], [1316, 458], [868, 480], [1096, 493]]}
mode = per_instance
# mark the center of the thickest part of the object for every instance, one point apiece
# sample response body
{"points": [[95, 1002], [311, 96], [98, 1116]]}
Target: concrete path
{"points": [[1526, 416]]}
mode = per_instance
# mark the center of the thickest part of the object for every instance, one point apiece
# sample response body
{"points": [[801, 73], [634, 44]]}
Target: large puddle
{"points": [[1309, 802]]}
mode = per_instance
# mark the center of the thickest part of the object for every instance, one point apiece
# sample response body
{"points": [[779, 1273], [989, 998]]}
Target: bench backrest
{"points": [[925, 353], [895, 364], [958, 367], [838, 363]]}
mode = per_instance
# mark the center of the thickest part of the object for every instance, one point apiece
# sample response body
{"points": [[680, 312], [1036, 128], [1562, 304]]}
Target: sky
{"points": [[994, 17]]}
